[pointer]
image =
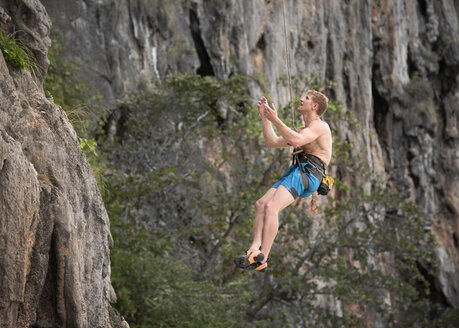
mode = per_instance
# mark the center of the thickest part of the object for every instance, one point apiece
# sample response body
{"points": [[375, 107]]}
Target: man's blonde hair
{"points": [[320, 99]]}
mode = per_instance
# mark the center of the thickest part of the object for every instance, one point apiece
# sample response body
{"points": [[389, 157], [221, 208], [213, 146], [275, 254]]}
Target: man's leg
{"points": [[259, 218], [280, 200]]}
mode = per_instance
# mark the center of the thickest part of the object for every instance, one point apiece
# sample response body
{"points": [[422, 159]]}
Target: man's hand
{"points": [[270, 112], [261, 105]]}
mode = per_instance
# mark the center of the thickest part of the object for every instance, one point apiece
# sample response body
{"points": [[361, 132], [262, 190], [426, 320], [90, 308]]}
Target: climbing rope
{"points": [[287, 54]]}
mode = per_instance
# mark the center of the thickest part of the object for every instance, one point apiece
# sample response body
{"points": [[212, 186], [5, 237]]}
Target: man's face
{"points": [[306, 104]]}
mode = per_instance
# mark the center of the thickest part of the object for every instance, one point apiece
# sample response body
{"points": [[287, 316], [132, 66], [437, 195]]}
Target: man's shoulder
{"points": [[323, 126], [319, 126]]}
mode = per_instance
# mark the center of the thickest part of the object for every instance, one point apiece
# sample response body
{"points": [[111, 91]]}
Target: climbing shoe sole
{"points": [[244, 261], [258, 266]]}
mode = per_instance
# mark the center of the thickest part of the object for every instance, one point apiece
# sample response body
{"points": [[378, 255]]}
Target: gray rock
{"points": [[54, 230]]}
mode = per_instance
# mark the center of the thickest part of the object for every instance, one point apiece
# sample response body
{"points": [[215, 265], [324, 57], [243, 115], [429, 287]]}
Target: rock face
{"points": [[54, 230]]}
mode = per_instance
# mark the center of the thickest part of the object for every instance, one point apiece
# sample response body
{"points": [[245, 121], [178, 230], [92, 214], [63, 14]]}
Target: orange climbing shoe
{"points": [[258, 266], [246, 260]]}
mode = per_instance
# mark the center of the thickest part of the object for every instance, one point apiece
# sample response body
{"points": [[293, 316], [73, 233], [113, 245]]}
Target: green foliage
{"points": [[419, 88], [17, 54], [421, 97], [161, 291], [337, 114], [88, 146], [98, 165]]}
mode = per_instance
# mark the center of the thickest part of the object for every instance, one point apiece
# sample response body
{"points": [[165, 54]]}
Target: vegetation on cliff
{"points": [[17, 54]]}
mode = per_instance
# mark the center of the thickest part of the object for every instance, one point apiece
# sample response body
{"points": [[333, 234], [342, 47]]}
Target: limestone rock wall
{"points": [[54, 230]]}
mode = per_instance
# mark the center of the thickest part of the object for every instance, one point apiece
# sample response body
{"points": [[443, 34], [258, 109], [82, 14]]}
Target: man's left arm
{"points": [[296, 139]]}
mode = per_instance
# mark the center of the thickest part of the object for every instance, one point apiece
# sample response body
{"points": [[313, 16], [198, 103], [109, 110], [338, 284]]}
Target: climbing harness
{"points": [[317, 168]]}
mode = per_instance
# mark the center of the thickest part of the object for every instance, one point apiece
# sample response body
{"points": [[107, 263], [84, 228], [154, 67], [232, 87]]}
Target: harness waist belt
{"points": [[315, 161]]}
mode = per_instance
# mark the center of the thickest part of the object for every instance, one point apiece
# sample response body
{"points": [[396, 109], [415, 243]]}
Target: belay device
{"points": [[325, 185]]}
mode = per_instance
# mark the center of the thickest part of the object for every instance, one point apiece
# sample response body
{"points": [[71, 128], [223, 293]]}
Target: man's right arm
{"points": [[271, 139]]}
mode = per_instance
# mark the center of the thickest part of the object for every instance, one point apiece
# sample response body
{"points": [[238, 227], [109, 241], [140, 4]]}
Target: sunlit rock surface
{"points": [[54, 230]]}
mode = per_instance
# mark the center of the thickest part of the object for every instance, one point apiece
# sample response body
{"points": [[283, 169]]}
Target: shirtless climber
{"points": [[313, 146]]}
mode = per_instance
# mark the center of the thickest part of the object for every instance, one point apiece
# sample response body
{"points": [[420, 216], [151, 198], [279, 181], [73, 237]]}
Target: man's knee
{"points": [[260, 205], [271, 207]]}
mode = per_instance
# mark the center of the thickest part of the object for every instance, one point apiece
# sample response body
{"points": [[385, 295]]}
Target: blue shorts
{"points": [[293, 181]]}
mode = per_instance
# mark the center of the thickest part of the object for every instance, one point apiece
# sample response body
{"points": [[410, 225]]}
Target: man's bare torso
{"points": [[322, 146]]}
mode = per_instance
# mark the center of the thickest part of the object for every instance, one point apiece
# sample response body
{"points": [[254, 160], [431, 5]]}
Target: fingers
{"points": [[266, 106], [262, 100], [260, 105], [265, 110]]}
